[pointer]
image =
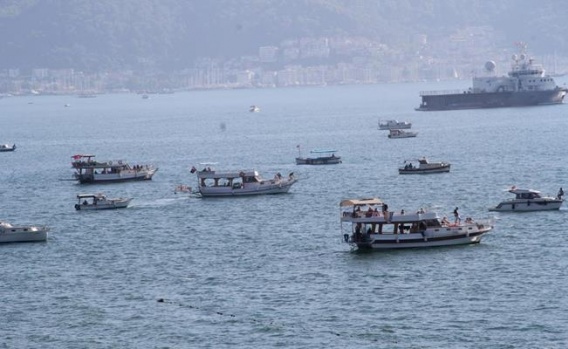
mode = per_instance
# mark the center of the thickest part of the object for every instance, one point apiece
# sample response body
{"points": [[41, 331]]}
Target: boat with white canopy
{"points": [[88, 170], [368, 224]]}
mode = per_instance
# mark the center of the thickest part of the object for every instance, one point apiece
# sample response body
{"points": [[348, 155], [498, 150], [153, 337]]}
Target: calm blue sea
{"points": [[272, 271]]}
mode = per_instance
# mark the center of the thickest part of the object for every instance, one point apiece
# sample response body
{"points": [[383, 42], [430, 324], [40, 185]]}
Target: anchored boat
{"points": [[526, 85], [423, 166], [321, 157]]}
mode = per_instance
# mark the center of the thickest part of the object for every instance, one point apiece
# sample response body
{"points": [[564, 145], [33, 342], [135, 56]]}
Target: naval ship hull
{"points": [[469, 100]]}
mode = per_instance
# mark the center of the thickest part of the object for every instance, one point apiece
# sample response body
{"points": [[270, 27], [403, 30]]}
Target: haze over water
{"points": [[272, 271]]}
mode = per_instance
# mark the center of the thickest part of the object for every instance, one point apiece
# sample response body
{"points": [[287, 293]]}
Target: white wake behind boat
{"points": [[213, 183], [369, 227], [99, 201], [529, 200], [21, 233], [396, 133], [394, 124], [423, 166]]}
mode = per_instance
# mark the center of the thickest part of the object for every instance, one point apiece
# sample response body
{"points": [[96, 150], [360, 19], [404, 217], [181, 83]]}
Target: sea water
{"points": [[176, 271]]}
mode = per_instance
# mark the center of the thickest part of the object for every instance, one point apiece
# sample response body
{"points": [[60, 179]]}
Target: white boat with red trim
{"points": [[88, 170], [212, 183], [529, 200], [89, 202], [22, 233], [367, 224]]}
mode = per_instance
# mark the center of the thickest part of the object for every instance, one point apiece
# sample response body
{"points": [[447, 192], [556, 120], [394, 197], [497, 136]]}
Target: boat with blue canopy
{"points": [[321, 157]]}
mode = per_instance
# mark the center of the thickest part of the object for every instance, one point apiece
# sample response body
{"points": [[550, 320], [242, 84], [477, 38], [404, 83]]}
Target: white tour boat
{"points": [[321, 157], [370, 226], [423, 166], [7, 147], [394, 124], [17, 233], [529, 200], [90, 171], [213, 183], [396, 133], [99, 202]]}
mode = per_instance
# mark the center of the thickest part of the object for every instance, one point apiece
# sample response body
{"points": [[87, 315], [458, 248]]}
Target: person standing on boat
{"points": [[457, 216], [560, 194]]}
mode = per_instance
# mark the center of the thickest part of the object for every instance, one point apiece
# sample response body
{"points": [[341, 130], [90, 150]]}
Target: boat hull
{"points": [[247, 190], [106, 206], [7, 148], [441, 169], [116, 177], [27, 236], [418, 240], [328, 160], [527, 206], [466, 100]]}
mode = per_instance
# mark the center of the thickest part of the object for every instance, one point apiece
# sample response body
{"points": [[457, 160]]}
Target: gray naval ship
{"points": [[526, 85]]}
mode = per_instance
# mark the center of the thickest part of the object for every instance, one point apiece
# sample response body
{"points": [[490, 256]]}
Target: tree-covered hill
{"points": [[95, 35]]}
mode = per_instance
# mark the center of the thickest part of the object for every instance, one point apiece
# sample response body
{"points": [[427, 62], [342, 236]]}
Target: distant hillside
{"points": [[94, 35]]}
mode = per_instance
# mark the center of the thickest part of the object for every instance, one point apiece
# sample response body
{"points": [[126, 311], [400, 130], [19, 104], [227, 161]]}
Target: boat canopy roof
{"points": [[79, 156], [360, 202], [516, 190], [227, 174], [86, 196], [321, 151]]}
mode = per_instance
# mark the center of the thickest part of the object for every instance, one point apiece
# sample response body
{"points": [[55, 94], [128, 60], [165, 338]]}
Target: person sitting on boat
{"points": [[445, 221], [85, 202], [376, 213], [369, 212]]}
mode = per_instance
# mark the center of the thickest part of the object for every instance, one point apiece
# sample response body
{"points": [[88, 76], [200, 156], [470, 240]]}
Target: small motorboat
{"points": [[7, 147], [394, 124], [529, 200], [100, 202], [396, 133], [321, 157], [254, 108], [423, 166], [21, 233]]}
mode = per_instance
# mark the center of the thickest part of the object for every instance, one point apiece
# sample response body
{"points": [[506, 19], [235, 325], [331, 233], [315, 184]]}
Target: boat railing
{"points": [[441, 92]]}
